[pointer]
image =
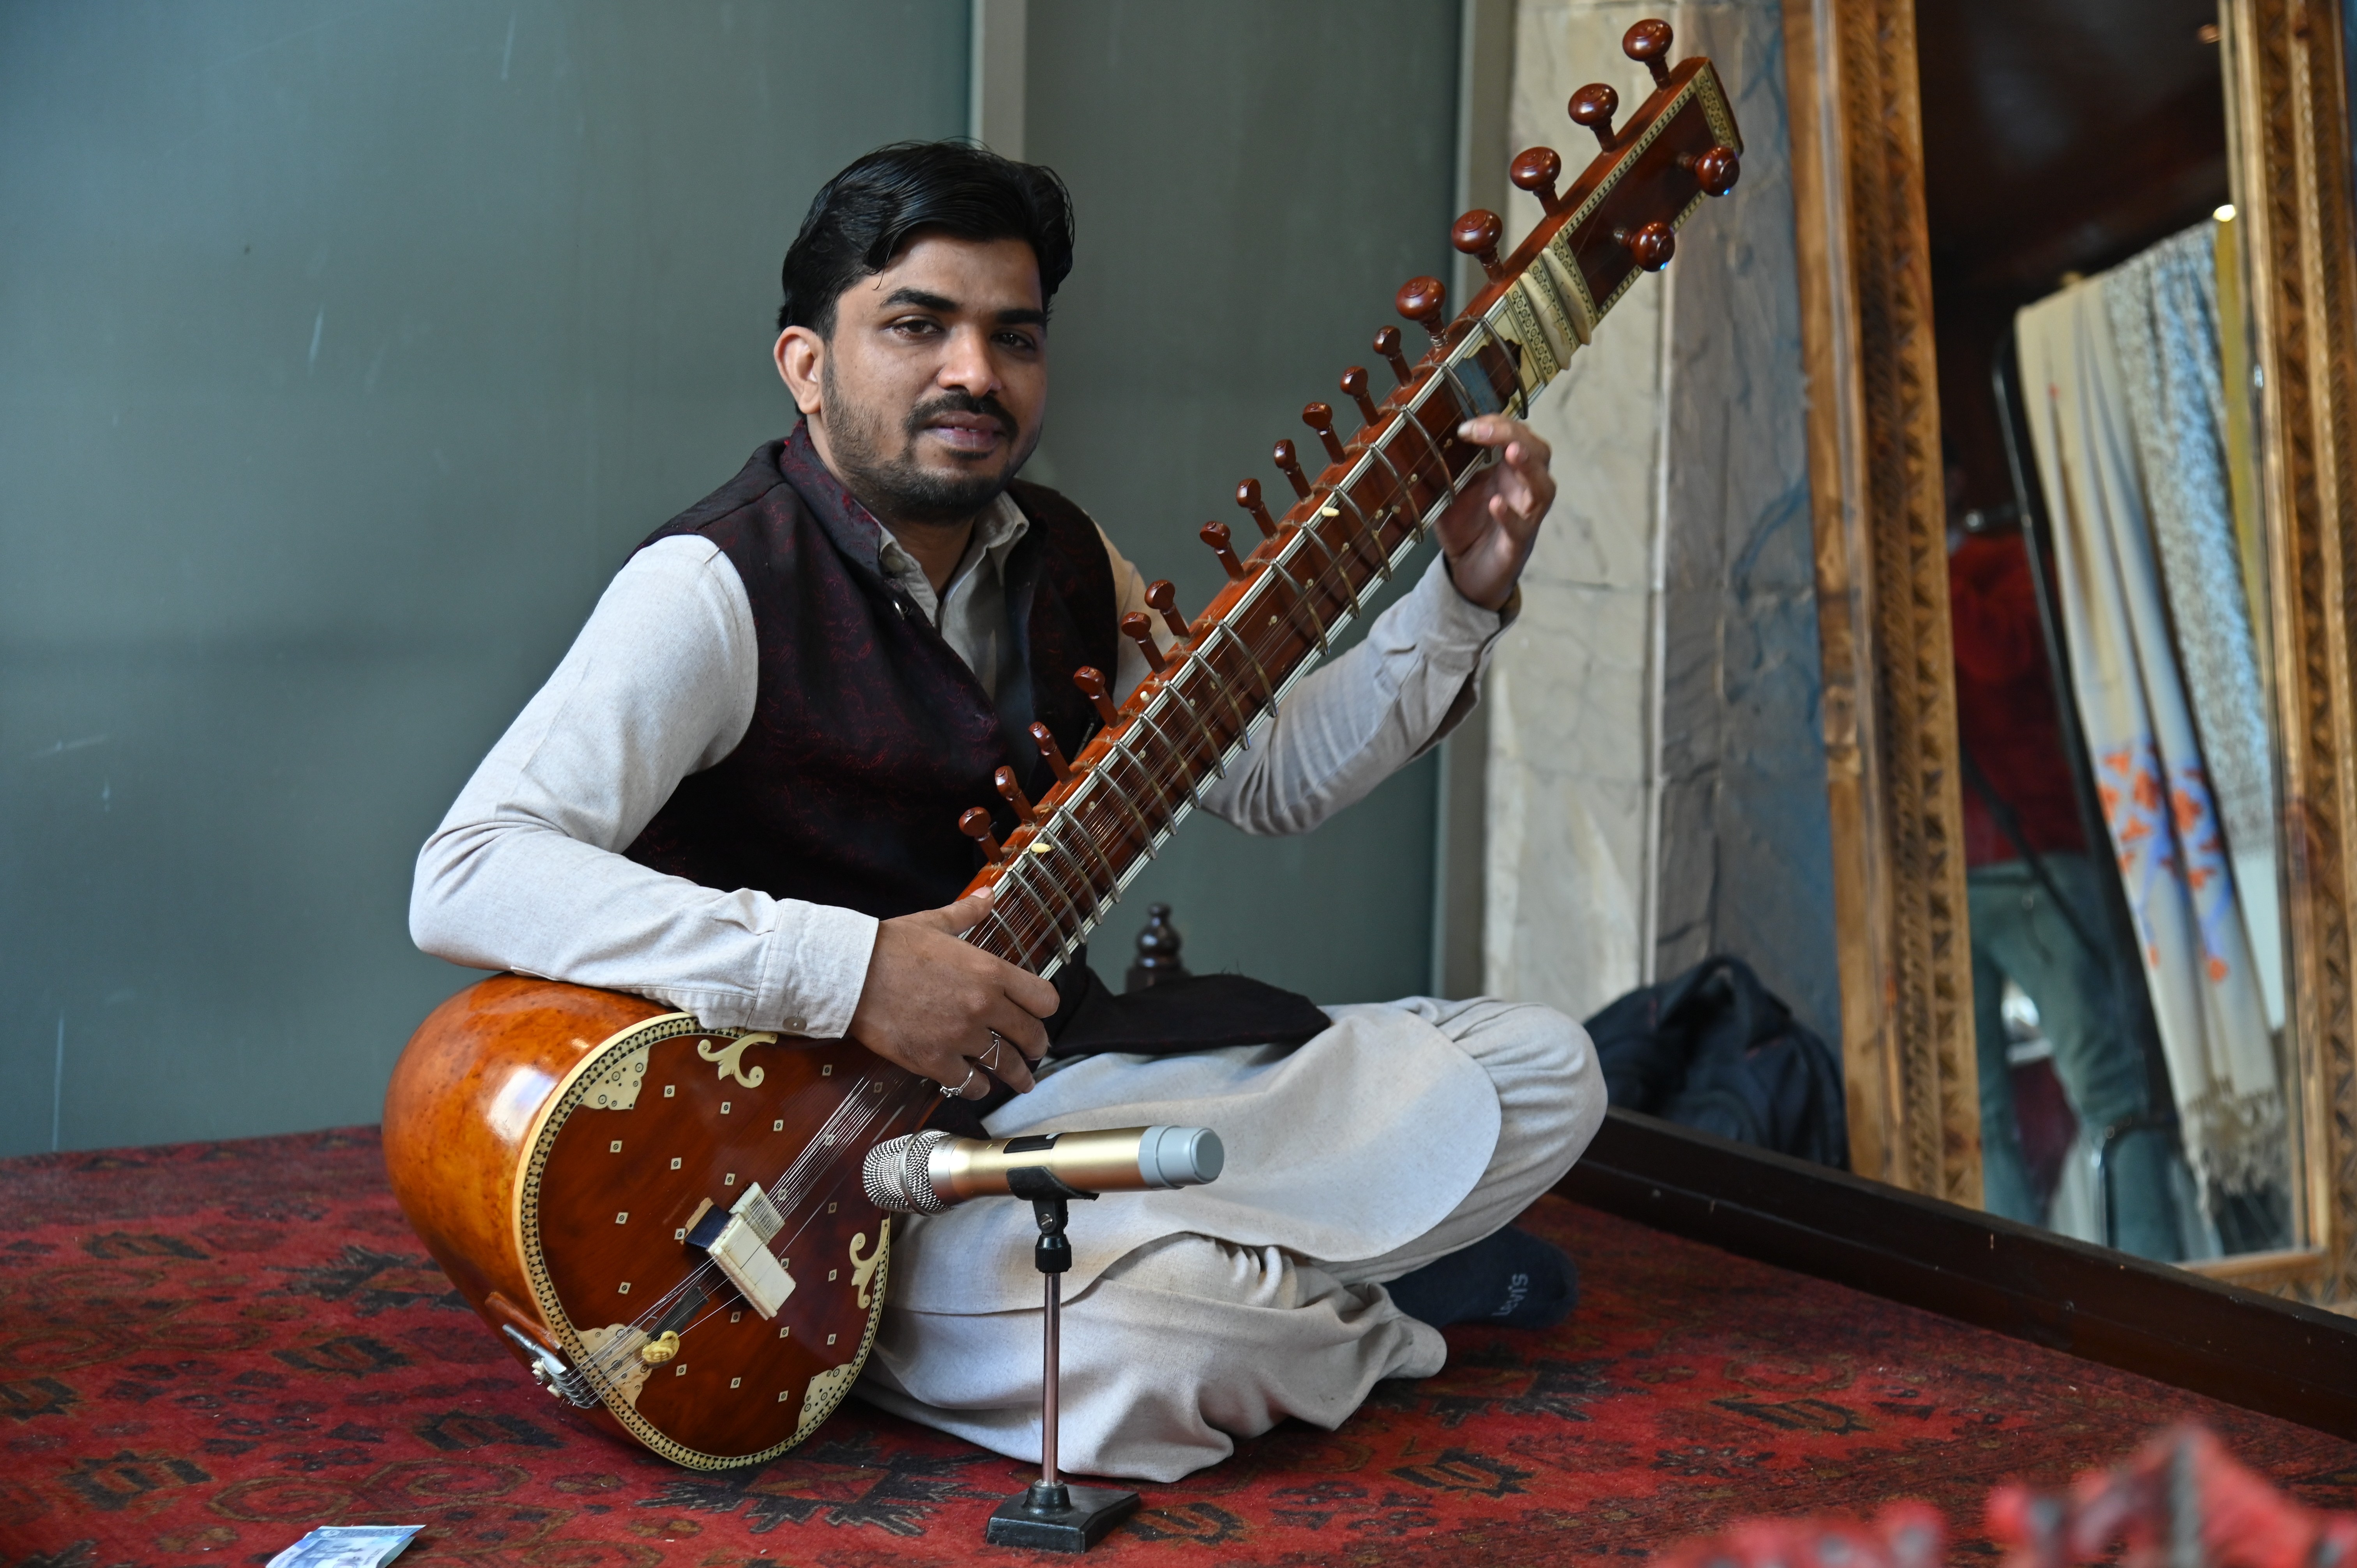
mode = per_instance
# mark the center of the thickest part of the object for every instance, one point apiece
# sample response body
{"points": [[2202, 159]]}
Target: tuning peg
{"points": [[1536, 171], [1248, 498], [976, 826], [1045, 739], [1593, 106], [1163, 595], [1215, 534], [1092, 683], [1652, 245], [1138, 627], [1425, 301], [1387, 344], [1320, 417], [1290, 464], [1717, 167], [1648, 43], [1476, 235], [1354, 387], [1012, 793]]}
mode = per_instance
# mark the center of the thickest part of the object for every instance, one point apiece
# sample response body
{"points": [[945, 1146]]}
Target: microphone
{"points": [[925, 1172]]}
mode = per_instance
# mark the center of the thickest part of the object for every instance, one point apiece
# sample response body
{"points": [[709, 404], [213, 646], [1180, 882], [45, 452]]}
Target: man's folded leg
{"points": [[1170, 1355], [1189, 1343]]}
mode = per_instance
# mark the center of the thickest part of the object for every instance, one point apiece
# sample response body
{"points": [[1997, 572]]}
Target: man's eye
{"points": [[916, 327], [1022, 340]]}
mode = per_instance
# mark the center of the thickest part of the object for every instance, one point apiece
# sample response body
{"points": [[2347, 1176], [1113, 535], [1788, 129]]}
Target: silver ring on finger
{"points": [[990, 1057], [951, 1091]]}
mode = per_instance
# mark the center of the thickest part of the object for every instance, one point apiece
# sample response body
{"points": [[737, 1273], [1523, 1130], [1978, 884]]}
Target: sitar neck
{"points": [[1115, 804]]}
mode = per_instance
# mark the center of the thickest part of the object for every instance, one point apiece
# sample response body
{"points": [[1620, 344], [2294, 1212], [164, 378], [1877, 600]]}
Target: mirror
{"points": [[2107, 588], [2086, 662]]}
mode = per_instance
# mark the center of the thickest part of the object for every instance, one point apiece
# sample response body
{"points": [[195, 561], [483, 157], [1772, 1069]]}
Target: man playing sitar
{"points": [[739, 794]]}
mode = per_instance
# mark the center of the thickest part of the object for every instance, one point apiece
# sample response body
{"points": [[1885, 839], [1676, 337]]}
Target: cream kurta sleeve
{"points": [[1357, 719], [526, 871]]}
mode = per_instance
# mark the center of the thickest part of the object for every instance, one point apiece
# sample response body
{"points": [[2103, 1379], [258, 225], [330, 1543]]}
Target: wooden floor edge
{"points": [[2208, 1337]]}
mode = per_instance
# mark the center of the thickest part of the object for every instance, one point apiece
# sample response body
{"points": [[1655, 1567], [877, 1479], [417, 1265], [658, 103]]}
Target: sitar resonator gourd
{"points": [[665, 1222]]}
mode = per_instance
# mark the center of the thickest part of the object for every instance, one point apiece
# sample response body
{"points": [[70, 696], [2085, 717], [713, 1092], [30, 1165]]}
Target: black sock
{"points": [[1512, 1279]]}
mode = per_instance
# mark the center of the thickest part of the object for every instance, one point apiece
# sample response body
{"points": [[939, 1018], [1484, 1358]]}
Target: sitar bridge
{"points": [[739, 1243]]}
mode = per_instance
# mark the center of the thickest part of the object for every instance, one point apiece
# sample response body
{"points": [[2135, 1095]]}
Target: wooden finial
{"points": [[1648, 43], [1387, 344], [1045, 739], [1536, 171], [1320, 417], [1476, 235], [1138, 627], [1157, 951], [1092, 683], [1354, 387], [1012, 793], [1163, 595], [1290, 464], [1425, 301], [976, 826], [1593, 106]]}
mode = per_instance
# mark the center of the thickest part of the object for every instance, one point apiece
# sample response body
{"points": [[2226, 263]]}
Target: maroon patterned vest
{"points": [[870, 735]]}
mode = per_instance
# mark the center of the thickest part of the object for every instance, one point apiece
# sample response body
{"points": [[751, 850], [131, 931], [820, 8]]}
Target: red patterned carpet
{"points": [[206, 1350]]}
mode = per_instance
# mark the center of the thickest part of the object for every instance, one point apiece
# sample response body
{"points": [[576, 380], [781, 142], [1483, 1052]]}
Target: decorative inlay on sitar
{"points": [[665, 1222]]}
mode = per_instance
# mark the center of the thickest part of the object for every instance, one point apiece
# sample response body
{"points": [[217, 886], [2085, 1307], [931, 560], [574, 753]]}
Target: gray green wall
{"points": [[344, 354], [1253, 183]]}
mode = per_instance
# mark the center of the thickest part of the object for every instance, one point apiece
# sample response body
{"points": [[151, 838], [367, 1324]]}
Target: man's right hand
{"points": [[932, 1002]]}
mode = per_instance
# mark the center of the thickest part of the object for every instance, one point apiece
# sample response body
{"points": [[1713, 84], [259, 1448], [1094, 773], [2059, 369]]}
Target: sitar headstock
{"points": [[1616, 220]]}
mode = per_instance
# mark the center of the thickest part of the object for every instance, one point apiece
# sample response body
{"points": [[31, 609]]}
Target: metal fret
{"points": [[1201, 655], [1333, 562], [1066, 898], [1022, 943], [1301, 598], [1383, 557], [1185, 771], [1408, 417], [1211, 744], [1070, 814], [1268, 686], [1406, 496], [1104, 771]]}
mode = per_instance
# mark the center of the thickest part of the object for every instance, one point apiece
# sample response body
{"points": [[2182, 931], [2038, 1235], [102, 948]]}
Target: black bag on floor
{"points": [[1717, 1050]]}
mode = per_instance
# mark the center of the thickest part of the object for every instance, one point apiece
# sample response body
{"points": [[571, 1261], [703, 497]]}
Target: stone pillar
{"points": [[1656, 784]]}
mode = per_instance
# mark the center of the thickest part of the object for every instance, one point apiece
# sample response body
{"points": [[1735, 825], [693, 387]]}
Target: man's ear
{"points": [[800, 354]]}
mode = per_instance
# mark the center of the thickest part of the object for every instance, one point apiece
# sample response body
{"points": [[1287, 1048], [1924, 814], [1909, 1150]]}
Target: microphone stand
{"points": [[1052, 1515]]}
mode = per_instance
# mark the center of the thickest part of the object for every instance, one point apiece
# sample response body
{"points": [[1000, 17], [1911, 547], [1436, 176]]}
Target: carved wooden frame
{"points": [[1890, 696]]}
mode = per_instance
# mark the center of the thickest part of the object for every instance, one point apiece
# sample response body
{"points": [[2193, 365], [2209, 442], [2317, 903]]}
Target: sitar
{"points": [[665, 1222]]}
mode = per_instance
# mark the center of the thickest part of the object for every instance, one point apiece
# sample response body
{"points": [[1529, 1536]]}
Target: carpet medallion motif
{"points": [[207, 1349]]}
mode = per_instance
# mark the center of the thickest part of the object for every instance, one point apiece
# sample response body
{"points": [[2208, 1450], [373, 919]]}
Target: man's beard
{"points": [[893, 484]]}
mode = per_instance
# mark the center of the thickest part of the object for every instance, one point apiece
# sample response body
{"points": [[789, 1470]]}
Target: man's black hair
{"points": [[863, 217]]}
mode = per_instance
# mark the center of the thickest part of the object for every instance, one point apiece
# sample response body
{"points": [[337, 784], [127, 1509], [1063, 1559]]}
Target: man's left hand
{"points": [[1487, 531]]}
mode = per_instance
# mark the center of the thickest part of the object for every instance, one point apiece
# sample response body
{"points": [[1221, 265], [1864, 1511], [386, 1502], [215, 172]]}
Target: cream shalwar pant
{"points": [[1193, 1318]]}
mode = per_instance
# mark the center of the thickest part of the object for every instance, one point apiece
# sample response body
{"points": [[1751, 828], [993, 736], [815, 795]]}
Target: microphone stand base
{"points": [[1062, 1518]]}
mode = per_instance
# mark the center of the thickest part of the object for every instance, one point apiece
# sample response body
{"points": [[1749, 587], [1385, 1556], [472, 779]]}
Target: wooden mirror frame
{"points": [[1878, 515]]}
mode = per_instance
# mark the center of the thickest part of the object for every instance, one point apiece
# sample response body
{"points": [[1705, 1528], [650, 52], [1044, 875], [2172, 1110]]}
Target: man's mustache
{"points": [[961, 403]]}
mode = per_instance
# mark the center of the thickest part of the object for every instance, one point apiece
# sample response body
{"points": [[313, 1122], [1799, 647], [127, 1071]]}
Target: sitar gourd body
{"points": [[553, 1145], [665, 1222]]}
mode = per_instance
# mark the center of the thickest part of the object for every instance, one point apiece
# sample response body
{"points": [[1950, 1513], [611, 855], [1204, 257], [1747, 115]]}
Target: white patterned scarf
{"points": [[2131, 693]]}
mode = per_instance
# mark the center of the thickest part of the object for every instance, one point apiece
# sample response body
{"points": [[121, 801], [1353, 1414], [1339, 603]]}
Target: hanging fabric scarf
{"points": [[2158, 799], [2165, 325]]}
